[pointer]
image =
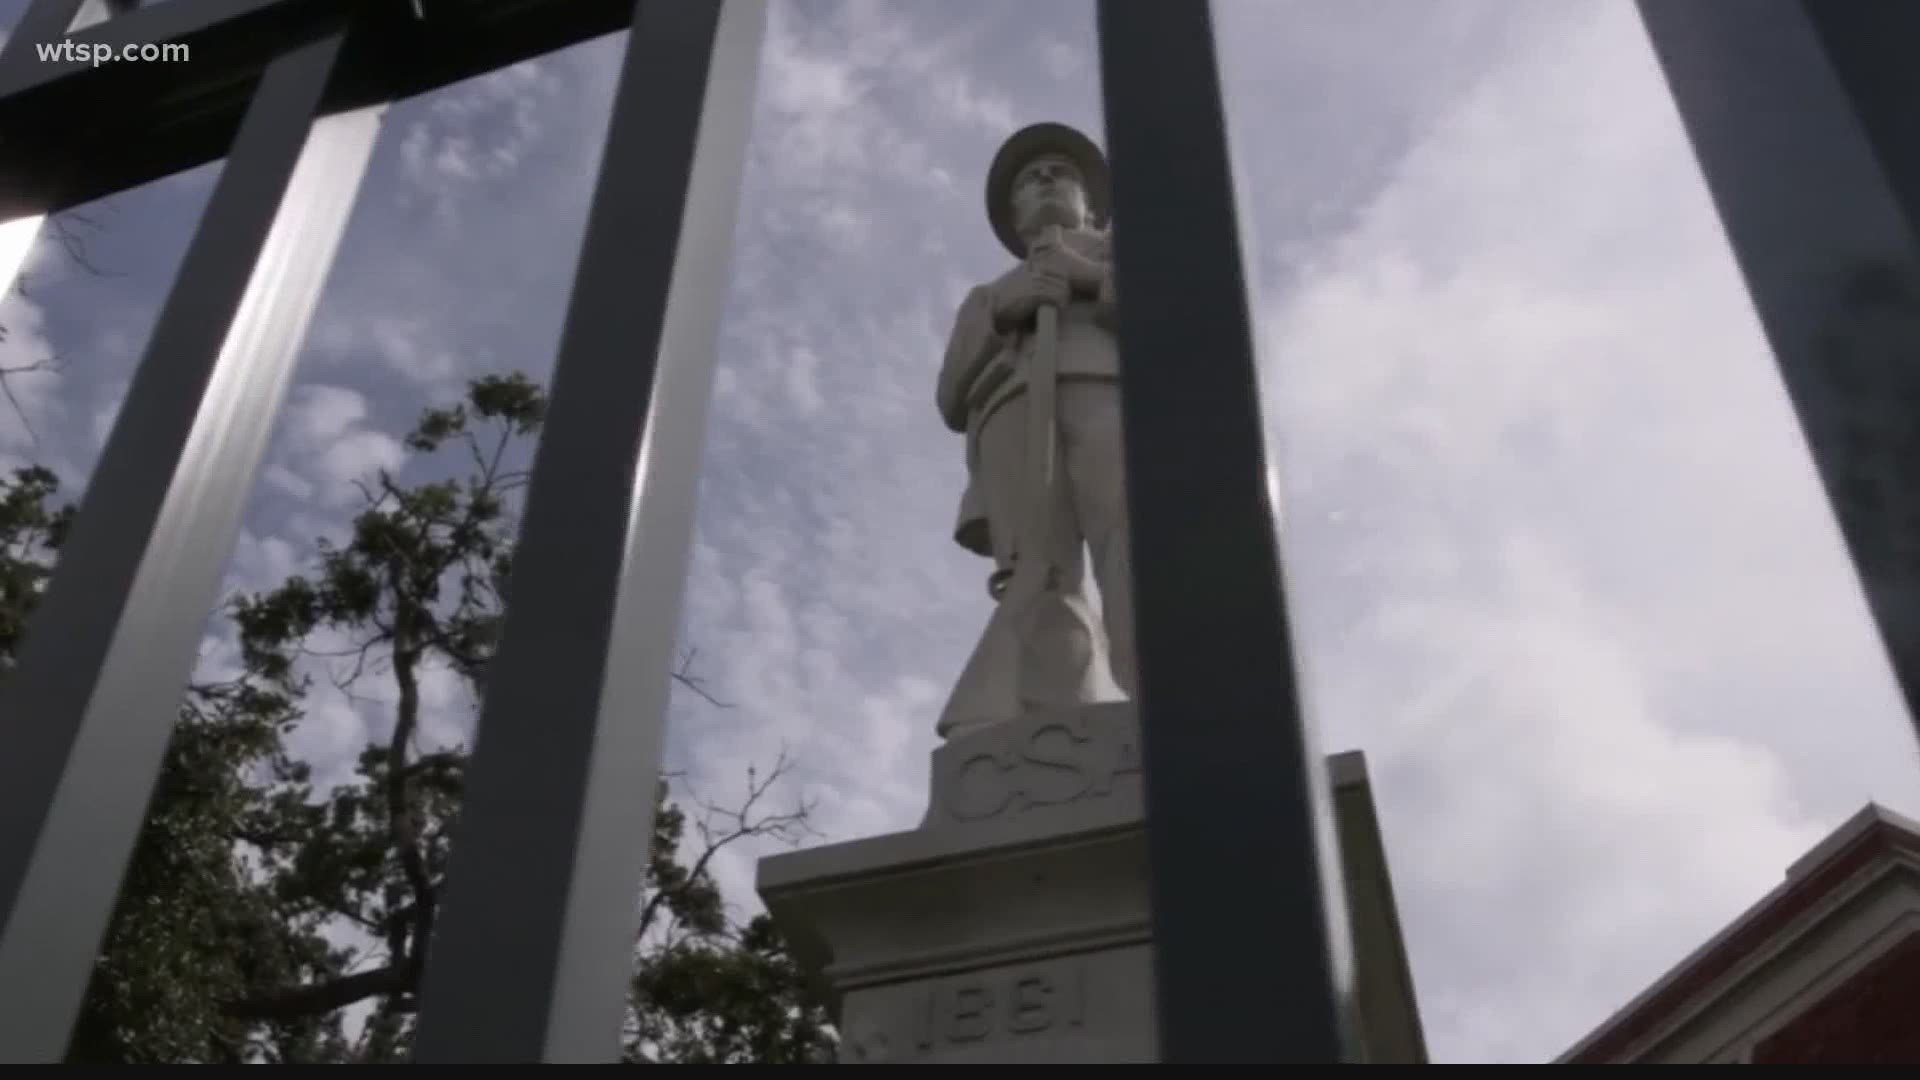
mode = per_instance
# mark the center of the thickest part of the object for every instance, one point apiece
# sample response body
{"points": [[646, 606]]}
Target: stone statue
{"points": [[1031, 377]]}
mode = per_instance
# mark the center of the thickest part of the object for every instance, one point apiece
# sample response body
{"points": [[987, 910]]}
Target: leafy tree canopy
{"points": [[271, 915]]}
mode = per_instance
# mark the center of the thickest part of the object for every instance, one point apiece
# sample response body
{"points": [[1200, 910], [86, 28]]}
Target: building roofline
{"points": [[1871, 832]]}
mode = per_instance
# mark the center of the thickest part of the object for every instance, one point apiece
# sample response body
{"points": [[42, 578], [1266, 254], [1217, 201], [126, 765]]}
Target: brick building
{"points": [[1825, 969]]}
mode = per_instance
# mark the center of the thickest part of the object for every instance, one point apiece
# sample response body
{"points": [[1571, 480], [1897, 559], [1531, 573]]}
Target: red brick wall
{"points": [[1871, 1019]]}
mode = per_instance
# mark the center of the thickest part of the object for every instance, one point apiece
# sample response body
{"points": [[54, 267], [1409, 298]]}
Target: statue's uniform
{"points": [[982, 392]]}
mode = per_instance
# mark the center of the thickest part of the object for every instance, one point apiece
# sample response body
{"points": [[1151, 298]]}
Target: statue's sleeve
{"points": [[970, 348]]}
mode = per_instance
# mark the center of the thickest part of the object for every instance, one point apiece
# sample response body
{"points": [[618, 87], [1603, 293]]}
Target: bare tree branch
{"points": [[786, 826], [65, 229], [6, 386], [683, 674]]}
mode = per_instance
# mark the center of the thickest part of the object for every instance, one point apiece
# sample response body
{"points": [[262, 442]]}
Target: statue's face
{"points": [[1049, 190]]}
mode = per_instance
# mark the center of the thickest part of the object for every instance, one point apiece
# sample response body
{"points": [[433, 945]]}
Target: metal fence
{"points": [[529, 961]]}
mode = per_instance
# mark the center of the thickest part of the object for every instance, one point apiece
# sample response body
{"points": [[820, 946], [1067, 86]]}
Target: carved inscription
{"points": [[1053, 763], [1020, 1002]]}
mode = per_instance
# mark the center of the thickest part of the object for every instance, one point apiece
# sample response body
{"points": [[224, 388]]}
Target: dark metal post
{"points": [[533, 950], [47, 21], [1801, 115], [99, 11], [43, 22], [90, 710], [1252, 960]]}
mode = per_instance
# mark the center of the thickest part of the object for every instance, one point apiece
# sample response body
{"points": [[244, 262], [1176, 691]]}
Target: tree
{"points": [[196, 926], [31, 532], [705, 991], [270, 916]]}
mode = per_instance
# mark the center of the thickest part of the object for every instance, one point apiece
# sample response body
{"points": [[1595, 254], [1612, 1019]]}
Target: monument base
{"points": [[1012, 925]]}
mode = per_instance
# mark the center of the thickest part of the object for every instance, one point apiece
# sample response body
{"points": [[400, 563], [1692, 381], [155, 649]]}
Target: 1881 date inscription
{"points": [[955, 1014], [1015, 1002]]}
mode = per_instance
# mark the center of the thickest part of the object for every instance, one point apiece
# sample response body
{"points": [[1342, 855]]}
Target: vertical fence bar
{"points": [[533, 951], [47, 21], [1252, 962], [90, 710], [1800, 115], [93, 12], [43, 22]]}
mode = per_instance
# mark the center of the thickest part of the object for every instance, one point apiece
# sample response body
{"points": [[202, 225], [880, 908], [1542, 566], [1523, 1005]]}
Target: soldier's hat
{"points": [[1031, 142]]}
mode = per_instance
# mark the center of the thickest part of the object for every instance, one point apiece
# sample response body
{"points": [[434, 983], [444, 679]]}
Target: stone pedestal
{"points": [[1011, 925]]}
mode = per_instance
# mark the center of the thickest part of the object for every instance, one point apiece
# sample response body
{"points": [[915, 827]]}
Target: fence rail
{"points": [[528, 963]]}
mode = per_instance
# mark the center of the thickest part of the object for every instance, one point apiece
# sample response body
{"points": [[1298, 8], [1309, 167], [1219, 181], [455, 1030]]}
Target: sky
{"points": [[1562, 568]]}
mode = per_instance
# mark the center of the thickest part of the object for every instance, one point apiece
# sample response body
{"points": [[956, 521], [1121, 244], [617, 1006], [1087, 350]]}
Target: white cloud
{"points": [[110, 398], [33, 407], [853, 98], [218, 659], [473, 134], [1546, 509], [263, 562], [328, 445], [413, 347], [355, 456], [330, 738], [284, 479], [962, 99], [1062, 60], [319, 414], [1562, 566], [1556, 841]]}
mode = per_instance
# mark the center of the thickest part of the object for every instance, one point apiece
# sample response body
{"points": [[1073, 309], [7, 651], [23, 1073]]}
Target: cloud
{"points": [[34, 407], [263, 562], [1535, 795], [327, 445], [23, 346], [414, 348], [321, 413], [475, 133], [109, 398], [330, 737], [1545, 506], [1563, 571], [283, 479], [859, 112]]}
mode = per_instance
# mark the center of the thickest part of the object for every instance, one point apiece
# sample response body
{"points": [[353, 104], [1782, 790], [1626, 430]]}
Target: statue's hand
{"points": [[1051, 256], [1020, 294]]}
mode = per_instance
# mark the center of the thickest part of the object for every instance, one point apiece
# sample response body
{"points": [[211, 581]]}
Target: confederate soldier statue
{"points": [[1031, 377]]}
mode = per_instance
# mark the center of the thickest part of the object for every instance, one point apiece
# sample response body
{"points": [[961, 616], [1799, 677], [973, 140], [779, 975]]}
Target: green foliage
{"points": [[270, 917], [195, 927], [707, 991], [730, 1000], [31, 532]]}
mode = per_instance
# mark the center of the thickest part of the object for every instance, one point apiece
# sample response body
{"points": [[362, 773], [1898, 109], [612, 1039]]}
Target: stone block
{"points": [[1011, 925]]}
